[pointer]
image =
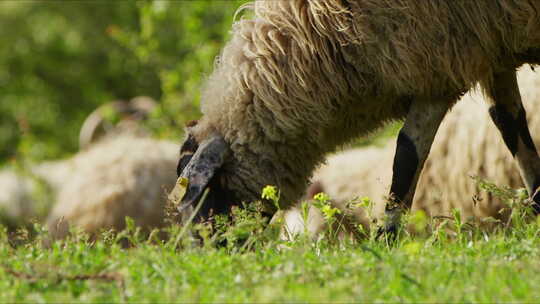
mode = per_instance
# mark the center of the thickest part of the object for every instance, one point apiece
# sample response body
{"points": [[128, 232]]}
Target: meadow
{"points": [[67, 58], [443, 260]]}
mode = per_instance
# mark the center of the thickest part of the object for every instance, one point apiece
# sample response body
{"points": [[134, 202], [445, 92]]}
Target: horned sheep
{"points": [[116, 177], [301, 78], [125, 173]]}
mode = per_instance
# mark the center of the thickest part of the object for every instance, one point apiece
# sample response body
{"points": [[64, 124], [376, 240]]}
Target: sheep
{"points": [[465, 139], [96, 189], [301, 78], [29, 193], [114, 178]]}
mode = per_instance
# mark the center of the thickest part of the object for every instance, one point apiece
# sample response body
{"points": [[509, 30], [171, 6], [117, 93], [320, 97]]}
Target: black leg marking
{"points": [[405, 164], [525, 136], [508, 126], [536, 202], [512, 131], [524, 130]]}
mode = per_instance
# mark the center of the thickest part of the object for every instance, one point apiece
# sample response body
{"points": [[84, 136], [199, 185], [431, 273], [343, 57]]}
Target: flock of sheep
{"points": [[127, 173], [123, 172], [302, 78]]}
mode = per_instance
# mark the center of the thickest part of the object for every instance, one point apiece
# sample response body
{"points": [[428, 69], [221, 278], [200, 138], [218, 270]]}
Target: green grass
{"points": [[497, 267], [245, 262]]}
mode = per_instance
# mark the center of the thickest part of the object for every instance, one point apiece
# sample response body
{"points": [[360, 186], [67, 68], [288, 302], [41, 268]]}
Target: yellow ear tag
{"points": [[179, 190]]}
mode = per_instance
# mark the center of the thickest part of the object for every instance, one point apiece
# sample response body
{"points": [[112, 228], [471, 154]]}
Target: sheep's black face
{"points": [[200, 164]]}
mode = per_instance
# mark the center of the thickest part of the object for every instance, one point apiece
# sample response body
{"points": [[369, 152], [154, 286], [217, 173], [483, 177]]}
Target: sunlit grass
{"points": [[241, 259]]}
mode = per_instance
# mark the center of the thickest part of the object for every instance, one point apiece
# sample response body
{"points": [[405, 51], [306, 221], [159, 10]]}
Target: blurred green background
{"points": [[59, 60]]}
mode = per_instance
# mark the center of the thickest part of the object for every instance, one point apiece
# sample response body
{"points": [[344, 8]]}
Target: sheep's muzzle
{"points": [[197, 170]]}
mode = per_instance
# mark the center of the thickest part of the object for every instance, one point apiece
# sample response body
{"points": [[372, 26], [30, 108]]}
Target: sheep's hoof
{"points": [[387, 233]]}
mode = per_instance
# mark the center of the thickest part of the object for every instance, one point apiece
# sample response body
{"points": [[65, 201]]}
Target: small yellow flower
{"points": [[329, 212], [271, 193], [321, 197]]}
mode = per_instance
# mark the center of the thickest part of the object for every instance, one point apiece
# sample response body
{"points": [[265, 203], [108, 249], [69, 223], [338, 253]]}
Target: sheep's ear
{"points": [[201, 168]]}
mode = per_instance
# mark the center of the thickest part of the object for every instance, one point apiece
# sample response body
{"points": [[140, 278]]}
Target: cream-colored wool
{"points": [[97, 188], [301, 78], [25, 192], [117, 177], [467, 144], [29, 193], [15, 197]]}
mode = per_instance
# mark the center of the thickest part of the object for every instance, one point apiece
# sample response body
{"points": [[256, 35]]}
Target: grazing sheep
{"points": [[95, 189], [301, 78], [130, 116], [116, 177], [465, 139], [38, 186]]}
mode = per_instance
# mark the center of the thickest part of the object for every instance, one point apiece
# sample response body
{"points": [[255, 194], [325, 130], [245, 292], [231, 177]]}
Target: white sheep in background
{"points": [[114, 178], [124, 174], [465, 139], [301, 78], [97, 188]]}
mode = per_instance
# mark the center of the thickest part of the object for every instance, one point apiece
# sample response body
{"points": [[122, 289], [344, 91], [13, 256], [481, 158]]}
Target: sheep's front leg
{"points": [[413, 145], [509, 116]]}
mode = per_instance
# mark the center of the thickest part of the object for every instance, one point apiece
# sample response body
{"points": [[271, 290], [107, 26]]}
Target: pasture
{"points": [[245, 261], [77, 56]]}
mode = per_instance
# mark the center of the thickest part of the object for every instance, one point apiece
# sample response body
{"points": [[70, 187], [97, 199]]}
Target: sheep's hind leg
{"points": [[509, 116], [413, 145]]}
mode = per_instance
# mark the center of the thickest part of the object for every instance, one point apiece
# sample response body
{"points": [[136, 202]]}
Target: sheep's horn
{"points": [[140, 106], [95, 120], [201, 168]]}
